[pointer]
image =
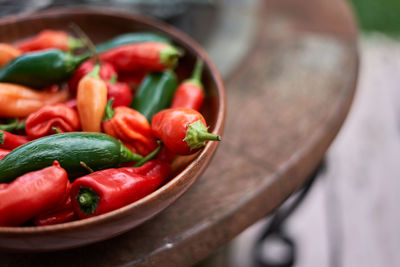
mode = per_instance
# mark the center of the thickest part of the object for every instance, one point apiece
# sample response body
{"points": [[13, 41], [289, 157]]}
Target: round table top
{"points": [[287, 99]]}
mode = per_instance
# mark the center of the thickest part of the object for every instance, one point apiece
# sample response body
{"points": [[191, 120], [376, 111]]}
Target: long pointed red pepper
{"points": [[182, 130], [32, 193], [190, 94], [110, 189], [147, 56], [11, 141]]}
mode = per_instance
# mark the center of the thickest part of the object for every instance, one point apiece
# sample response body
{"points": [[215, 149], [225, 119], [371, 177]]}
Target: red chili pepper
{"points": [[43, 121], [107, 71], [110, 189], [147, 56], [3, 152], [61, 214], [32, 193], [131, 127], [50, 39], [182, 130], [120, 92], [190, 94], [133, 79], [11, 141]]}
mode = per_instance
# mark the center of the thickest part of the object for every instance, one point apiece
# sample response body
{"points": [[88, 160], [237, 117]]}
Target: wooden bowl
{"points": [[100, 25]]}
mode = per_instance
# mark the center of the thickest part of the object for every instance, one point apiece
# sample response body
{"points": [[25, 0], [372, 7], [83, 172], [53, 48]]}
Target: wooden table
{"points": [[287, 99]]}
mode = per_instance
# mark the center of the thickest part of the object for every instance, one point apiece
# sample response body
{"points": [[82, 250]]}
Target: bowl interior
{"points": [[101, 25]]}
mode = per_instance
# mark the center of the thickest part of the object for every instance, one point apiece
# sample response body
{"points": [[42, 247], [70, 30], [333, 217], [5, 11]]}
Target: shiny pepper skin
{"points": [[32, 193], [132, 128], [11, 141], [183, 131], [59, 116]]}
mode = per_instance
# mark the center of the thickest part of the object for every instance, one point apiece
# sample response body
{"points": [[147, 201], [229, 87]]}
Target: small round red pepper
{"points": [[110, 189], [131, 127], [183, 131], [107, 71], [43, 121], [146, 56], [190, 93], [120, 92], [50, 39], [33, 193], [11, 141]]}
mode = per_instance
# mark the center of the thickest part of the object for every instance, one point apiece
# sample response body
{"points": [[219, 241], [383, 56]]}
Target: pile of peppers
{"points": [[85, 130]]}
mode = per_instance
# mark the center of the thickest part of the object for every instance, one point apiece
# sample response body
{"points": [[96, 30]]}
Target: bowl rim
{"points": [[210, 147]]}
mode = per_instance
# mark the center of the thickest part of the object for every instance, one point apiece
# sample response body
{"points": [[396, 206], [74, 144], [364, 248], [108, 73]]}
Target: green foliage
{"points": [[378, 15]]}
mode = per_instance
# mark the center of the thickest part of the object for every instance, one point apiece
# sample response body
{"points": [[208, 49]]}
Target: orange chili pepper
{"points": [[91, 101], [7, 53], [131, 127], [20, 101]]}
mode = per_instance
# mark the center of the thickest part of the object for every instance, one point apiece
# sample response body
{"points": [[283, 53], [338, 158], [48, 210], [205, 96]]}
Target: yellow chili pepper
{"points": [[20, 101], [91, 100]]}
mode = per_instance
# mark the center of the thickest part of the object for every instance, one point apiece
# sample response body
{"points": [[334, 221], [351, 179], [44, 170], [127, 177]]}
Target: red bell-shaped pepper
{"points": [[146, 56], [107, 71], [183, 131], [110, 189], [31, 194], [45, 120], [11, 141], [131, 127]]}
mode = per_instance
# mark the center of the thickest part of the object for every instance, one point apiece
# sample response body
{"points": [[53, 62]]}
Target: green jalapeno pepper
{"points": [[128, 38], [41, 69], [77, 152], [155, 93]]}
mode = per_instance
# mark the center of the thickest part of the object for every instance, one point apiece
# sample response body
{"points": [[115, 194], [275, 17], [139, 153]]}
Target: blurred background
{"points": [[360, 185]]}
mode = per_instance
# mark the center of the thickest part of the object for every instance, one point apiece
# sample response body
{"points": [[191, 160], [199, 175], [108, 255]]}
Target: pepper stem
{"points": [[169, 56], [88, 200], [151, 155], [95, 73], [13, 125], [109, 112], [1, 138], [197, 135], [113, 79], [127, 155], [75, 43]]}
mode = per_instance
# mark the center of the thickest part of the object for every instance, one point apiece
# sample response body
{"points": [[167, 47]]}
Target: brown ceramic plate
{"points": [[100, 25]]}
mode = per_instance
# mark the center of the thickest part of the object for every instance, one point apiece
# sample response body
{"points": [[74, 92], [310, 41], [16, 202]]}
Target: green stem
{"points": [[95, 73], [13, 125], [109, 112], [1, 138], [56, 130], [88, 200], [84, 165], [113, 79], [150, 155], [197, 135], [169, 56], [75, 43], [128, 156]]}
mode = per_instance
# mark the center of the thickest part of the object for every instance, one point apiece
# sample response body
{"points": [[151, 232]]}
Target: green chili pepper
{"points": [[97, 151], [155, 93], [41, 69], [128, 38]]}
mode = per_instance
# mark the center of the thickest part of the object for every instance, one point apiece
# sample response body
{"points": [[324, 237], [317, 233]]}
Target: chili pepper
{"points": [[73, 150], [130, 127], [47, 39], [107, 190], [129, 38], [60, 214], [11, 141], [60, 116], [182, 130], [91, 101], [7, 53], [20, 101], [155, 93], [33, 193], [3, 152], [190, 94], [41, 69], [149, 56], [13, 125], [107, 71], [120, 92]]}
